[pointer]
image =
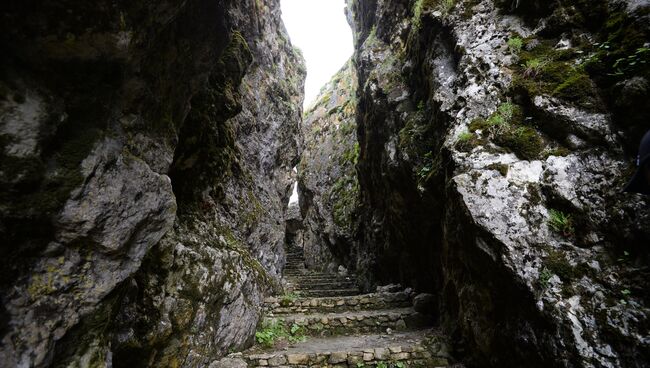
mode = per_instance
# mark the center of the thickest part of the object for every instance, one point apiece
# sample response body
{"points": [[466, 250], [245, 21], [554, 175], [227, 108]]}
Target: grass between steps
{"points": [[274, 332]]}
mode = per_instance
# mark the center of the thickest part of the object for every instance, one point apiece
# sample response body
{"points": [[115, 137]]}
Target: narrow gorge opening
{"points": [[428, 183], [324, 53]]}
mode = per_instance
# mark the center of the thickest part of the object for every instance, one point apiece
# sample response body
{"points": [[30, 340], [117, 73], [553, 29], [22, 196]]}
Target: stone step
{"points": [[423, 348], [319, 275], [316, 280], [286, 305], [329, 293], [355, 322], [306, 275], [322, 285]]}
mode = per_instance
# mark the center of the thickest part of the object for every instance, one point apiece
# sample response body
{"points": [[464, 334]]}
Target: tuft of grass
{"points": [[465, 136], [533, 67], [515, 44], [274, 330], [288, 298], [560, 222], [544, 277]]}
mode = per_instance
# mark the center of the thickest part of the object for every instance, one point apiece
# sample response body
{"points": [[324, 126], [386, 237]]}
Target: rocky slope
{"points": [[327, 178], [495, 137], [145, 168]]}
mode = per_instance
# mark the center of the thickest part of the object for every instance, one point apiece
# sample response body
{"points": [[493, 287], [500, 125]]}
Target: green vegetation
{"points": [[501, 168], [544, 70], [428, 167], [505, 127], [466, 141], [557, 263], [344, 197], [524, 141], [533, 67], [288, 299], [544, 277], [447, 5], [515, 44], [274, 331], [350, 155], [561, 222]]}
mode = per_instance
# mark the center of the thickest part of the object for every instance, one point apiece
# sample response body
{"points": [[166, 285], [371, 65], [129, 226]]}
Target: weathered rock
{"points": [[99, 146], [425, 303], [327, 177], [493, 180], [229, 363]]}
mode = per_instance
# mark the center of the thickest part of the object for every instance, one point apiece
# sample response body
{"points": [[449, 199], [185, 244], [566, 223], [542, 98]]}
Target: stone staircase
{"points": [[340, 327]]}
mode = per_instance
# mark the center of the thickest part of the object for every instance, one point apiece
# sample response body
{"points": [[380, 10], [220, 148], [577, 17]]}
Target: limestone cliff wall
{"points": [[495, 137], [328, 185], [144, 172]]}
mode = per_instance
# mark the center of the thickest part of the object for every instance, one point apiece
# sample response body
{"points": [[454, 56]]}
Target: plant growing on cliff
{"points": [[560, 222], [544, 277], [533, 67], [515, 44], [447, 5]]}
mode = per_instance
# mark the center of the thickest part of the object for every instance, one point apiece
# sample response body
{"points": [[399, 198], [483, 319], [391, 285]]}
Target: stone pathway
{"points": [[344, 328]]}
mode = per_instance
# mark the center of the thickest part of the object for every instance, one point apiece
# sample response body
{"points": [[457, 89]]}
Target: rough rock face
{"points": [[495, 137], [327, 178], [130, 126]]}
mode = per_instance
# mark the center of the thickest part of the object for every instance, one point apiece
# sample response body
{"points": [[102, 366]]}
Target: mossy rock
{"points": [[524, 141], [579, 89], [557, 263]]}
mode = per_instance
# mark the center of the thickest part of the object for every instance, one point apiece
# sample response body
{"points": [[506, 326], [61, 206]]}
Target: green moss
{"points": [[557, 263], [559, 151], [515, 44], [524, 141], [344, 196], [501, 168], [579, 89], [467, 141], [622, 52], [350, 156], [478, 124], [505, 127], [547, 71]]}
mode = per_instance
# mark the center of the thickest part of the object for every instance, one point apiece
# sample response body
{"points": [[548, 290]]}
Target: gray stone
{"points": [[425, 303]]}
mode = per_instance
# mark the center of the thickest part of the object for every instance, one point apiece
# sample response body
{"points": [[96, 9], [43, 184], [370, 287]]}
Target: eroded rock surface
{"points": [[328, 185], [494, 143], [145, 168]]}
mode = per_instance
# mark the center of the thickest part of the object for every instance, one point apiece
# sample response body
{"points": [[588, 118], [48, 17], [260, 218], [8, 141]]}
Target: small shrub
{"points": [[561, 222]]}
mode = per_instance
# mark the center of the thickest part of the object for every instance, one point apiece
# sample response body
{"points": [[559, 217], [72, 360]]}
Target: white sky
{"points": [[320, 30]]}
